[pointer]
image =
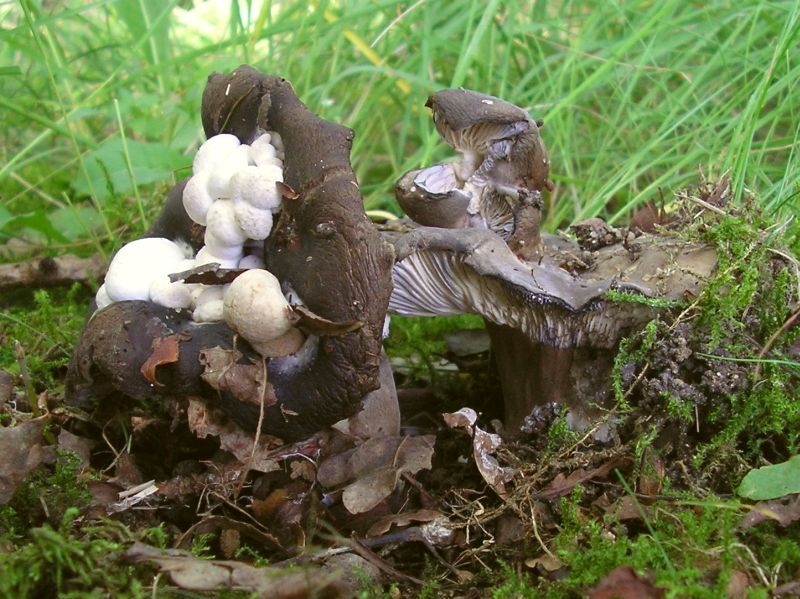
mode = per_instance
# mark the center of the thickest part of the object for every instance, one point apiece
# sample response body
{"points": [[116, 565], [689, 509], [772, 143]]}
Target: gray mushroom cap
{"points": [[471, 121], [448, 271]]}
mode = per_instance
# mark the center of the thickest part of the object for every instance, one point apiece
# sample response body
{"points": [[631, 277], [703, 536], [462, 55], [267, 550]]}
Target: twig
{"points": [[52, 272], [788, 324]]}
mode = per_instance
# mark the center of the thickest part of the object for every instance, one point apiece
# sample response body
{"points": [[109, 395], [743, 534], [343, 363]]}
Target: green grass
{"points": [[100, 99]]}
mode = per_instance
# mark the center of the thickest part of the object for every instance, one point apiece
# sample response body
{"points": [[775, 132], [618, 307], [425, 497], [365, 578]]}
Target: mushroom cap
{"points": [[251, 261], [458, 271], [256, 186], [137, 264], [255, 222], [101, 298], [222, 228], [213, 152], [170, 295], [255, 307], [196, 199], [219, 177], [471, 121], [431, 197], [226, 257], [263, 153]]}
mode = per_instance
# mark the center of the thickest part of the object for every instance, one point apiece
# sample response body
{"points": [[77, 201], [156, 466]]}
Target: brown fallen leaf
{"points": [[22, 450], [484, 445], [383, 525], [784, 511], [204, 421], [166, 350], [374, 467], [738, 585], [193, 574], [624, 583], [310, 322], [247, 382], [80, 446]]}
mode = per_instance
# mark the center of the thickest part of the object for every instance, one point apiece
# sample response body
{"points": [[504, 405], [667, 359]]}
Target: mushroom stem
{"points": [[531, 374]]}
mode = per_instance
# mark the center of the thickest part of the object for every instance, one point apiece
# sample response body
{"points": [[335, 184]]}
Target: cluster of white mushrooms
{"points": [[233, 193]]}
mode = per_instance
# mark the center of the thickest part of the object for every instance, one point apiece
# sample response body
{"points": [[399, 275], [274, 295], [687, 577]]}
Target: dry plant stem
{"points": [[361, 549], [30, 392], [788, 324]]}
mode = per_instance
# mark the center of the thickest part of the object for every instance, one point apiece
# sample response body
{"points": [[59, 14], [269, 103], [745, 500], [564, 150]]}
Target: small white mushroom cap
{"points": [[213, 152], [196, 199], [255, 307], [224, 256], [251, 261], [256, 186], [137, 264], [222, 228], [262, 152], [170, 295], [101, 298], [209, 304], [219, 178], [255, 222], [212, 311]]}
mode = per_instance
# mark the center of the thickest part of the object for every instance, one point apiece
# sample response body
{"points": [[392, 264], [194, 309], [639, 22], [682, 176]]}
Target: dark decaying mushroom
{"points": [[323, 247], [553, 329], [497, 182]]}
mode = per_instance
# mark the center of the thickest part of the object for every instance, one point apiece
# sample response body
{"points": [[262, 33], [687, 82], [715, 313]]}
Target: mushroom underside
{"points": [[322, 246], [550, 328]]}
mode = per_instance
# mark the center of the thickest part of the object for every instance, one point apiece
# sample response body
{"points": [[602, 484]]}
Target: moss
{"points": [[50, 491], [66, 563]]}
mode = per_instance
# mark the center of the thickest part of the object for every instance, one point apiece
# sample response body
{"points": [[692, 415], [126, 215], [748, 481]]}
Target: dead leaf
{"points": [[166, 350], [368, 491], [738, 585], [191, 573], [207, 274], [204, 421], [383, 525], [22, 451], [484, 445], [376, 466], [784, 511], [80, 446], [624, 583], [246, 382], [546, 562], [310, 322], [562, 485]]}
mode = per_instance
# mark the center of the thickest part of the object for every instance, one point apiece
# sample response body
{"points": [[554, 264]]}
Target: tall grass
{"points": [[639, 98]]}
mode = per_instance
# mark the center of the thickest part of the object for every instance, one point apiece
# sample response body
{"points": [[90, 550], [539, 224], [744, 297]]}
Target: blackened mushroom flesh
{"points": [[322, 247]]}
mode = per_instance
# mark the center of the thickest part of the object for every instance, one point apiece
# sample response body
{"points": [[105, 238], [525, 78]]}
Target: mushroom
{"points": [[255, 308], [322, 245], [497, 182], [137, 265], [552, 329]]}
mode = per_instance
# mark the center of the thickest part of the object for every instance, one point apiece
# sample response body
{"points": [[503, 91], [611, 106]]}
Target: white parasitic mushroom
{"points": [[196, 199], [255, 222], [256, 186], [170, 295], [256, 309], [222, 230], [137, 264]]}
